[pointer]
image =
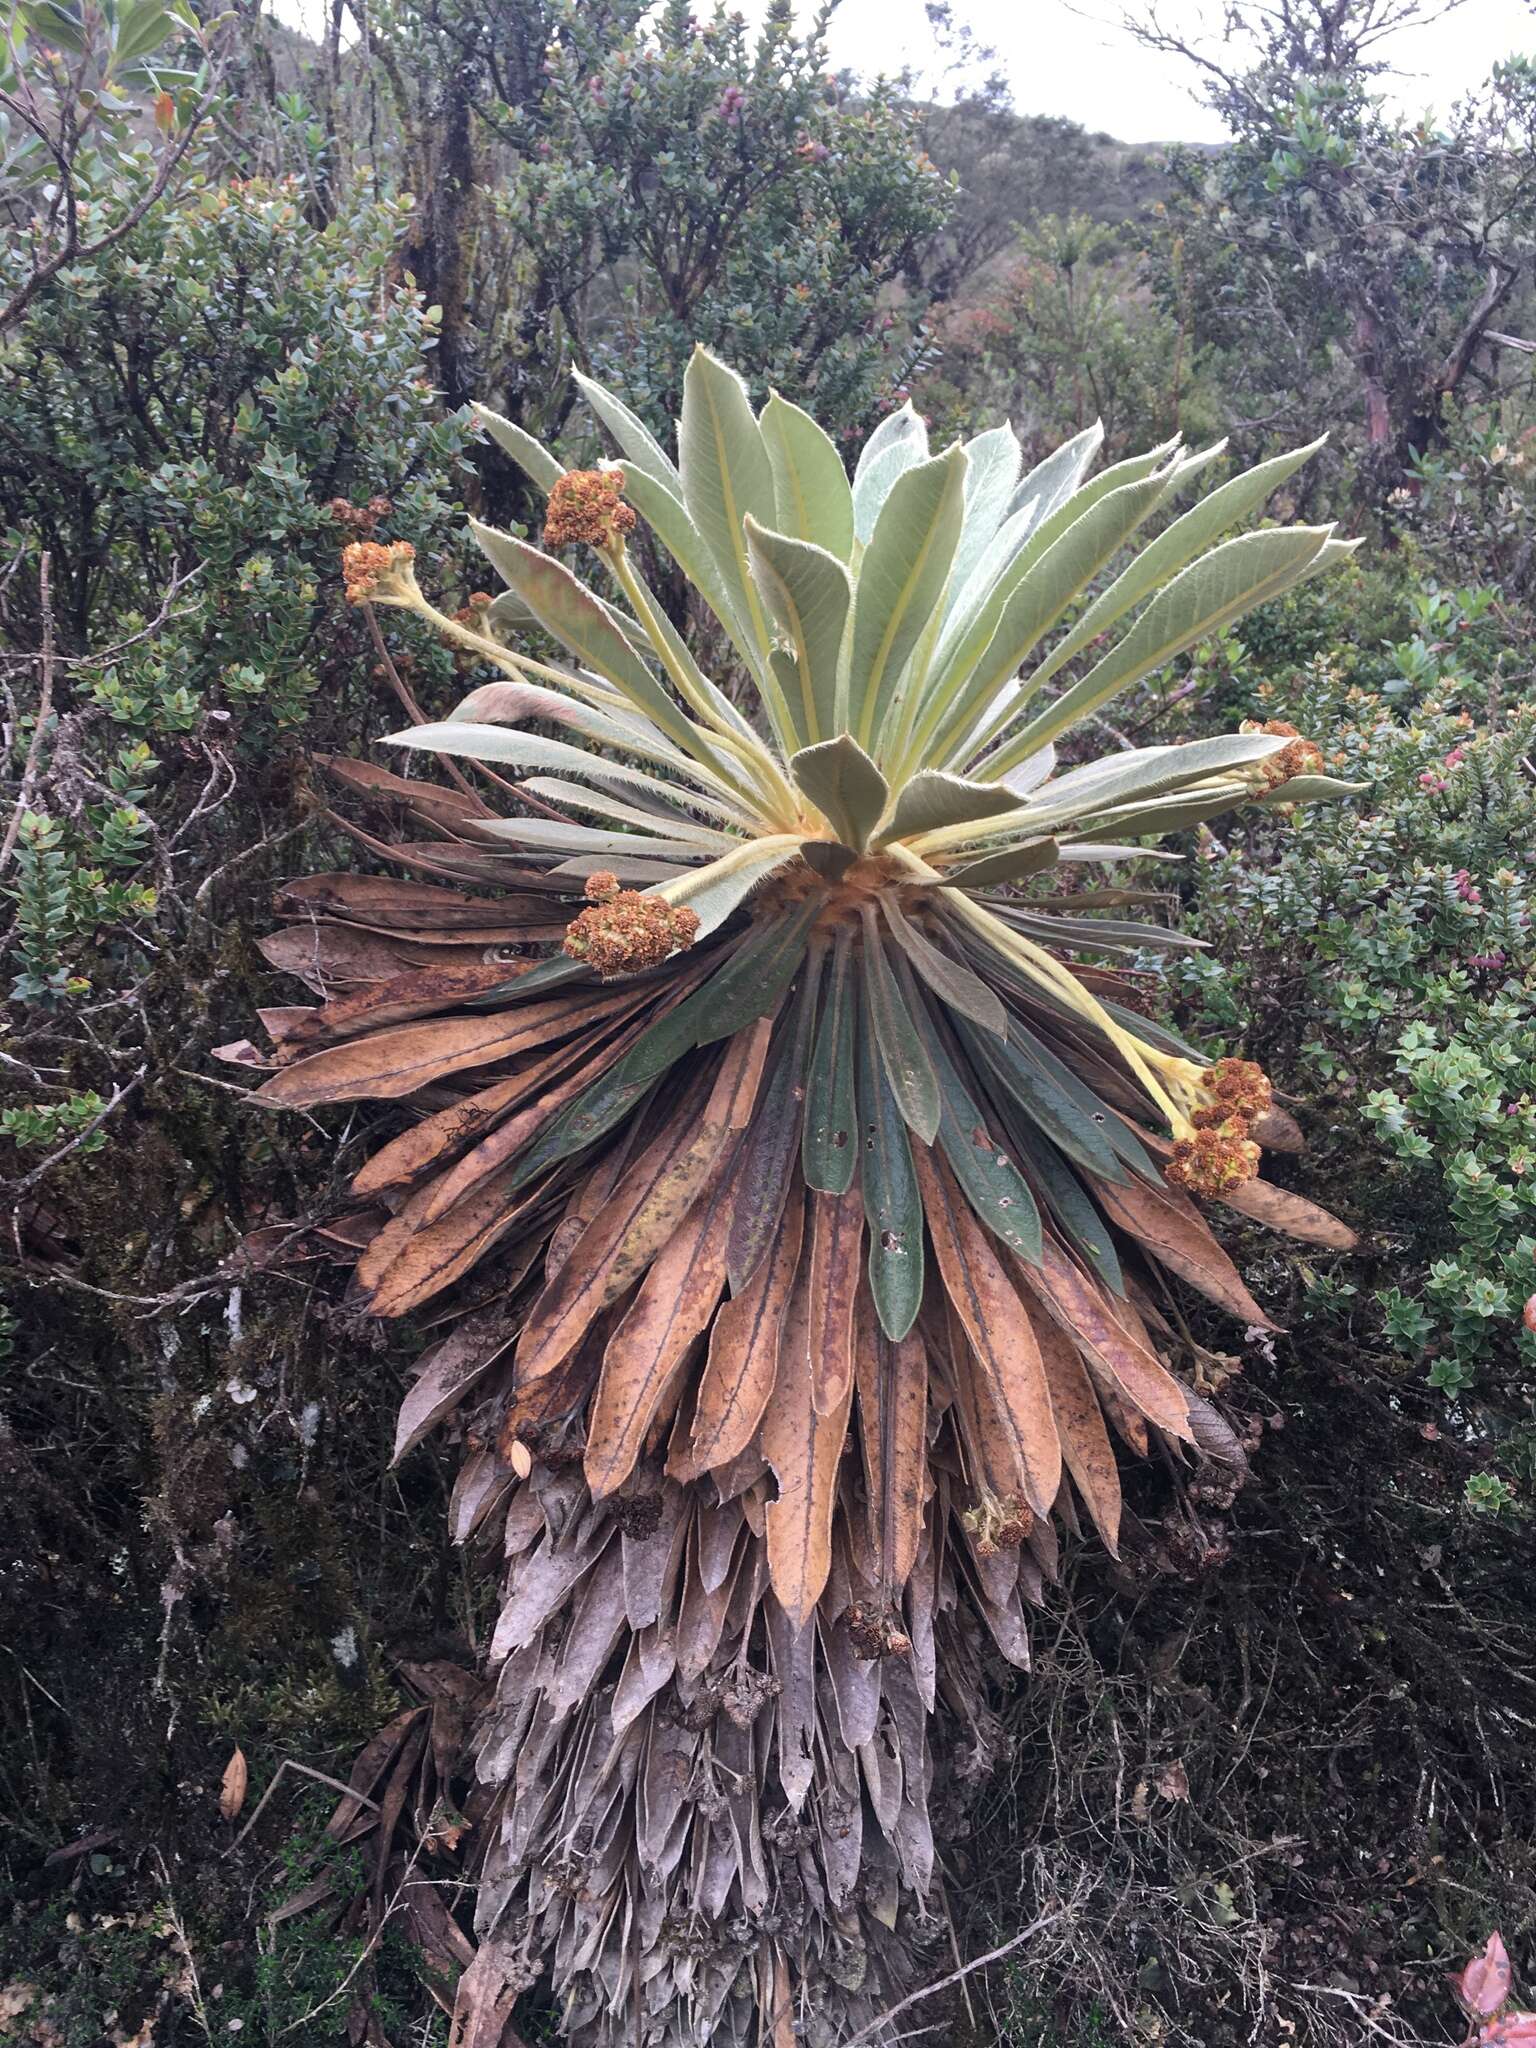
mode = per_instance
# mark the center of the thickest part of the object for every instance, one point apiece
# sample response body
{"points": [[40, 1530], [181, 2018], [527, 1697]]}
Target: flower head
{"points": [[624, 931], [1301, 757], [379, 572], [1214, 1161], [587, 505]]}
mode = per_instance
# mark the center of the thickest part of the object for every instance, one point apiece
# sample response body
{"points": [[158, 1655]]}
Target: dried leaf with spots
{"points": [[804, 1449], [232, 1787], [1169, 1227], [1001, 1338], [1293, 1214]]}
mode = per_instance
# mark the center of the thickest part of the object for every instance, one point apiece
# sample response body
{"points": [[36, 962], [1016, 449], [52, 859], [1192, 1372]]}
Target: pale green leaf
{"points": [[933, 799], [1013, 864], [1313, 789], [845, 786], [639, 445], [900, 585], [809, 594], [666, 515], [1208, 595], [993, 461], [1143, 773], [1051, 482], [815, 500], [965, 688], [531, 456], [713, 896], [726, 474], [1176, 545], [898, 444], [567, 610]]}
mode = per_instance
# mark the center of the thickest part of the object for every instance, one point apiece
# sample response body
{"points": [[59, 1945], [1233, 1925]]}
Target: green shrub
{"points": [[181, 420], [1389, 950]]}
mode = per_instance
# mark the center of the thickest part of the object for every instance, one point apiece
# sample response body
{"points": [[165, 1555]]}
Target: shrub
{"points": [[181, 421], [1390, 955]]}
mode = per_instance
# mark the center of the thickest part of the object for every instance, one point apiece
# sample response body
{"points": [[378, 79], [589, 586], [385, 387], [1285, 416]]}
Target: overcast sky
{"points": [[1060, 61]]}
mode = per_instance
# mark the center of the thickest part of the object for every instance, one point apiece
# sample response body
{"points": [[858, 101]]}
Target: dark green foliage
{"points": [[1391, 961]]}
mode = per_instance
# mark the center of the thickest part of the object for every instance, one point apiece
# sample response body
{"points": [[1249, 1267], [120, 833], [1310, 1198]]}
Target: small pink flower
{"points": [[1429, 780], [1455, 757]]}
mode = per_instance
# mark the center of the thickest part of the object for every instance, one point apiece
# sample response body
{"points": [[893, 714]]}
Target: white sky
{"points": [[1059, 61]]}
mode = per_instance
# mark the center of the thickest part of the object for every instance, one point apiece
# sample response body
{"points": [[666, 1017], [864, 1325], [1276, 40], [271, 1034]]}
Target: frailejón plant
{"points": [[811, 1198]]}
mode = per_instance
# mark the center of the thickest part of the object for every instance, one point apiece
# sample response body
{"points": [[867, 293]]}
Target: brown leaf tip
{"points": [[375, 570], [624, 932], [587, 505]]}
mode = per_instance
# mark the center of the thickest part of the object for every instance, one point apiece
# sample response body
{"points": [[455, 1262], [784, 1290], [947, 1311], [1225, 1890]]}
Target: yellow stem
{"points": [[752, 754], [1043, 968]]}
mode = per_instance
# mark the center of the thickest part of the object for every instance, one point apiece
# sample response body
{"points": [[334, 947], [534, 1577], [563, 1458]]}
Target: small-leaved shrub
{"points": [[1389, 950]]}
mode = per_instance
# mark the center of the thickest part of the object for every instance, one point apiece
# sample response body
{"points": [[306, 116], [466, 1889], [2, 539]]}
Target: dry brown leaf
{"points": [[403, 998], [645, 1209], [989, 1442], [673, 1306], [1171, 1229], [1085, 1446], [409, 1261], [893, 1425], [404, 1057], [232, 1788], [837, 1240], [326, 954], [1293, 1214], [1086, 1313], [399, 907], [1278, 1131], [744, 1350], [804, 1449], [430, 799], [1001, 1338]]}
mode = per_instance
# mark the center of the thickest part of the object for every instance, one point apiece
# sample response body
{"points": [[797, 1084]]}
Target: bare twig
{"points": [[304, 1771], [30, 1180], [994, 1955], [44, 709]]}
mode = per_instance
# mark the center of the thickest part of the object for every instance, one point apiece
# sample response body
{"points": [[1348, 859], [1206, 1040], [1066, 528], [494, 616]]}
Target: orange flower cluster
{"points": [[624, 931], [367, 564], [587, 505], [1222, 1154], [1302, 757]]}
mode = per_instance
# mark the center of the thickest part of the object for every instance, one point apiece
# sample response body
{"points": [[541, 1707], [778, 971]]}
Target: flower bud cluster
{"points": [[1301, 757], [587, 505], [1220, 1154], [625, 931], [379, 572]]}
